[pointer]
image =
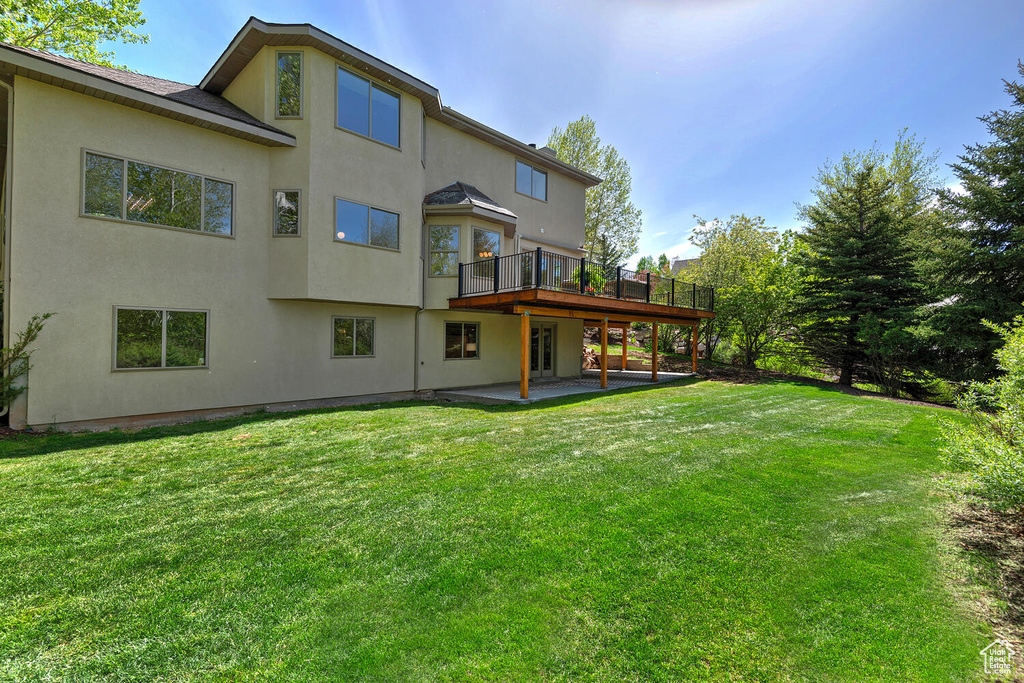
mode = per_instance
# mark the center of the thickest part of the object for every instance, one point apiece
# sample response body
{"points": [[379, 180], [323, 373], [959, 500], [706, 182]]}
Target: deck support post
{"points": [[693, 347], [604, 353], [625, 339], [524, 355], [654, 352]]}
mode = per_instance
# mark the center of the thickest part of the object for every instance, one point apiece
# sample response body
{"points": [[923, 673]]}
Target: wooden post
{"points": [[654, 352], [604, 353], [524, 355], [693, 346], [625, 337]]}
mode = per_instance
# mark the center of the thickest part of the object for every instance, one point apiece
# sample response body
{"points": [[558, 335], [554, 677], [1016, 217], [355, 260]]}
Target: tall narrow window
{"points": [[289, 85], [444, 250], [286, 212], [531, 181], [486, 245], [461, 340], [353, 337], [159, 338], [368, 109]]}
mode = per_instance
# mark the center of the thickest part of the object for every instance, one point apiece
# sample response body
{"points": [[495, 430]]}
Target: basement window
{"points": [[353, 337]]}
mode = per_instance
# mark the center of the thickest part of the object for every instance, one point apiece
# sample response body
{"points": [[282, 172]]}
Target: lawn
{"points": [[701, 531]]}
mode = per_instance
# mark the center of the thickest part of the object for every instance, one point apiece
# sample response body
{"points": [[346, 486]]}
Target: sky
{"points": [[720, 107]]}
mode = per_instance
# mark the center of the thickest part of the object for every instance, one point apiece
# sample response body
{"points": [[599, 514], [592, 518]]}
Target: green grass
{"points": [[702, 531]]}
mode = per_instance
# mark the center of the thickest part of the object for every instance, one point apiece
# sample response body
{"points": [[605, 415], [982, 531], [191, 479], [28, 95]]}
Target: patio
{"points": [[558, 387]]}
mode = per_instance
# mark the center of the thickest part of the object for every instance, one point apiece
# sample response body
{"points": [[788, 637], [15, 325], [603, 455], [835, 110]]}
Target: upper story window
{"points": [[123, 189], [367, 108], [289, 85], [444, 250], [531, 181], [486, 245], [364, 224]]}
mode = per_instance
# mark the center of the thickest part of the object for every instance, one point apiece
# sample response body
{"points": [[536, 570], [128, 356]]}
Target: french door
{"points": [[542, 350]]}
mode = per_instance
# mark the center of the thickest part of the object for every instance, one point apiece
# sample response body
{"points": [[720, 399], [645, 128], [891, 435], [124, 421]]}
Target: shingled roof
{"points": [[460, 197], [172, 92]]}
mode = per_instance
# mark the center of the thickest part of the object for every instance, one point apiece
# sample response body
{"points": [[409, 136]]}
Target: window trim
{"points": [[533, 169], [273, 213], [479, 344], [277, 84], [124, 196], [163, 341], [354, 318], [334, 230], [457, 251], [369, 105]]}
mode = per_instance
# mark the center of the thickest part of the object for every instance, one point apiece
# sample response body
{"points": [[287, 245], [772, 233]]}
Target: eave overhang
{"points": [[507, 221], [35, 68], [257, 34]]}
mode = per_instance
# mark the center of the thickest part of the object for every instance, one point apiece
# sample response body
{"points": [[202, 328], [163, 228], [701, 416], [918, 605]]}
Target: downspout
{"points": [[5, 245]]}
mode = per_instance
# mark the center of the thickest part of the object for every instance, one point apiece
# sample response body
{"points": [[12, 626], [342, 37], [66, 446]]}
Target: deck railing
{"points": [[541, 269]]}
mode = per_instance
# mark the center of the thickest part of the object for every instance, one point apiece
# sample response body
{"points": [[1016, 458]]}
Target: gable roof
{"points": [[256, 34], [178, 101], [461, 198]]}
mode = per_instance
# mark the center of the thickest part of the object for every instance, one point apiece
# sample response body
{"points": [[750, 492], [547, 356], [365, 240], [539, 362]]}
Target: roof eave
{"points": [[508, 221], [38, 69]]}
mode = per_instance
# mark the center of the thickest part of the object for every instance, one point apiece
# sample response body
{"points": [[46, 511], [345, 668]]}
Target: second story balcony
{"points": [[543, 279]]}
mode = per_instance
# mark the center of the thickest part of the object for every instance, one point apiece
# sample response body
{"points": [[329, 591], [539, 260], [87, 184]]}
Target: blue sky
{"points": [[719, 106]]}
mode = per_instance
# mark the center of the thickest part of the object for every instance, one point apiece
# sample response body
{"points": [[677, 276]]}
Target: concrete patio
{"points": [[557, 387]]}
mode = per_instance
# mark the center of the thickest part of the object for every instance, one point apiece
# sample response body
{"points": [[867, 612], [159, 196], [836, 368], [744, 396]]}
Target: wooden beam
{"points": [[604, 353], [625, 338], [654, 352], [588, 316], [693, 344], [599, 306], [524, 355]]}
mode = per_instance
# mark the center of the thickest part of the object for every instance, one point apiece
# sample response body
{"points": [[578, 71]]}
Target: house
{"points": [[308, 224]]}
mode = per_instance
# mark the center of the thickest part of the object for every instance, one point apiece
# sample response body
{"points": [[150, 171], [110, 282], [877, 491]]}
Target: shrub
{"points": [[987, 451], [14, 359]]}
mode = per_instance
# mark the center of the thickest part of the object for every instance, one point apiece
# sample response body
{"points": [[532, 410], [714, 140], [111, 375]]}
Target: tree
{"points": [[75, 28], [730, 254], [857, 266], [612, 222], [980, 268]]}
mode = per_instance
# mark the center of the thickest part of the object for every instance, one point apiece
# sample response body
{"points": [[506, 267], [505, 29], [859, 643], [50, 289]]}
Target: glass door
{"points": [[542, 350]]}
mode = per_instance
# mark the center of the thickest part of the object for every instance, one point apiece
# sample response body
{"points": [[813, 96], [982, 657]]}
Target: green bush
{"points": [[987, 451], [14, 359]]}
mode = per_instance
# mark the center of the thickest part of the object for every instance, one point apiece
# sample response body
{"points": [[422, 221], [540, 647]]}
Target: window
{"points": [[144, 193], [367, 109], [461, 340], [531, 181], [353, 337], [486, 245], [444, 250], [286, 213], [289, 85], [151, 338], [364, 224]]}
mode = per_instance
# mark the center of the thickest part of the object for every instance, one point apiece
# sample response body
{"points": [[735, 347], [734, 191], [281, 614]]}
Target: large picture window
{"points": [[134, 191], [461, 340], [364, 224], [353, 337], [289, 85], [531, 181], [153, 338], [368, 109], [444, 250]]}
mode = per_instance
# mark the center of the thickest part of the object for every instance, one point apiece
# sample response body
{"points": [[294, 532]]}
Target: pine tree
{"points": [[857, 266], [981, 267]]}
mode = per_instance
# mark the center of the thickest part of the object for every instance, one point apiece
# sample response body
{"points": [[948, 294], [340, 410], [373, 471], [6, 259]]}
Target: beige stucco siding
{"points": [[453, 155], [80, 268]]}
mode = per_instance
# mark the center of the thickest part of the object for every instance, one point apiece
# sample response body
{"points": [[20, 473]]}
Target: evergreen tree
{"points": [[981, 258], [858, 281]]}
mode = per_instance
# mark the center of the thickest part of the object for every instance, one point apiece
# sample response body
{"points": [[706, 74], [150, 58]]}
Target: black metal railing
{"points": [[541, 269]]}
